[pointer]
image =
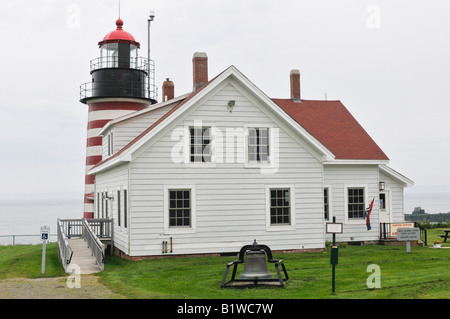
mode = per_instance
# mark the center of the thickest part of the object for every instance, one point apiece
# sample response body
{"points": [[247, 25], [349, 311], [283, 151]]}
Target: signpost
{"points": [[334, 228], [408, 234], [45, 232]]}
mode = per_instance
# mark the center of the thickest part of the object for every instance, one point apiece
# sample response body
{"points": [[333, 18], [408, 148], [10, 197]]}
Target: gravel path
{"points": [[54, 288]]}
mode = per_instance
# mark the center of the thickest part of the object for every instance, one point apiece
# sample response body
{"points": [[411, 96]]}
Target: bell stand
{"points": [[254, 282]]}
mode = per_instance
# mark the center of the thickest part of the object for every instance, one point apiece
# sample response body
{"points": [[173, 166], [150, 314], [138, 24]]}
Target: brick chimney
{"points": [[200, 67], [168, 89], [295, 85]]}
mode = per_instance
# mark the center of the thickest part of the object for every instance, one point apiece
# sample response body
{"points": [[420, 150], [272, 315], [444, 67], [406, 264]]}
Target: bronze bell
{"points": [[255, 267]]}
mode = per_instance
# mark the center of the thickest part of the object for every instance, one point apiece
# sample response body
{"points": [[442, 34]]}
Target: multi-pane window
{"points": [[180, 208], [326, 206], [280, 207], [200, 144], [258, 144], [356, 202]]}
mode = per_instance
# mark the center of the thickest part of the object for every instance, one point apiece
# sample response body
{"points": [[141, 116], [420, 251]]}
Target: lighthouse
{"points": [[122, 82]]}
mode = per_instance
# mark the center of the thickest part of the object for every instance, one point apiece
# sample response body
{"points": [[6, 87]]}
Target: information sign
{"points": [[408, 234], [45, 232], [334, 228], [396, 226]]}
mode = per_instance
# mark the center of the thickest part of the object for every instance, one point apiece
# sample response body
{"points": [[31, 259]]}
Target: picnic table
{"points": [[447, 234]]}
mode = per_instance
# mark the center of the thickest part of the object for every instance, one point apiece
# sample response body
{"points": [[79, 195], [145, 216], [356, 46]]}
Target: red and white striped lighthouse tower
{"points": [[120, 85]]}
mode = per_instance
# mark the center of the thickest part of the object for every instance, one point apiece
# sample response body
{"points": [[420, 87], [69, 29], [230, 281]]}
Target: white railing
{"points": [[64, 250], [96, 246], [91, 230]]}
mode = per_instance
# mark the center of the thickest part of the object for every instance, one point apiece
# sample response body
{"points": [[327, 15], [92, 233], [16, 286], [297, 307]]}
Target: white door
{"points": [[385, 211]]}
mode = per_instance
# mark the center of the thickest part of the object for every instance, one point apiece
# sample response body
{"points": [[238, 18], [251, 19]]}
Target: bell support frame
{"points": [[280, 281]]}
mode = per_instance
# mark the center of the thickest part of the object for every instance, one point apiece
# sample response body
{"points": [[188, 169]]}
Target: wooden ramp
{"points": [[82, 257]]}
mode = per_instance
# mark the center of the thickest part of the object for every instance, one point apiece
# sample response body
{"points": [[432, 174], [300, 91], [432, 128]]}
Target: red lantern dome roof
{"points": [[119, 35]]}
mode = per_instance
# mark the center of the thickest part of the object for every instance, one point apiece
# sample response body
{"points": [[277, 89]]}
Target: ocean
{"points": [[23, 215], [433, 199]]}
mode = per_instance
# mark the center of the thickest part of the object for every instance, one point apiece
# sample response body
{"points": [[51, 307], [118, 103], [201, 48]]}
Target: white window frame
{"points": [[366, 201], [125, 205], [121, 210], [268, 163], [119, 205], [187, 144], [330, 203], [291, 226], [109, 144], [180, 230], [97, 202]]}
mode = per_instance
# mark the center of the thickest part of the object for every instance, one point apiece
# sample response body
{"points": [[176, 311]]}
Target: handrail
{"points": [[107, 88], [65, 252], [138, 63], [385, 231], [102, 227], [96, 246], [91, 230], [423, 233]]}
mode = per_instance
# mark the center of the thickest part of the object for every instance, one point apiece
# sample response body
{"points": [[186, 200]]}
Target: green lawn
{"points": [[424, 273], [26, 261]]}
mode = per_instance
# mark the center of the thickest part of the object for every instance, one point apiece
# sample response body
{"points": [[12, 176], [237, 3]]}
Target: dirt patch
{"points": [[55, 288]]}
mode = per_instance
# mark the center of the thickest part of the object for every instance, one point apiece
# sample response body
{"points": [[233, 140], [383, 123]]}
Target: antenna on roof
{"points": [[149, 20], [326, 98]]}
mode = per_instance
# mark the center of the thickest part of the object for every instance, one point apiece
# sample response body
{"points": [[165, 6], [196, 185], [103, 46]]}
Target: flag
{"points": [[368, 211]]}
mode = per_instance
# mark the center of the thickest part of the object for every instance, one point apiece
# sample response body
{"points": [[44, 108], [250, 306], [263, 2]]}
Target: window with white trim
{"points": [[355, 202], [326, 203], [258, 144], [125, 208], [180, 208], [118, 208], [200, 144], [98, 204], [280, 207], [110, 146]]}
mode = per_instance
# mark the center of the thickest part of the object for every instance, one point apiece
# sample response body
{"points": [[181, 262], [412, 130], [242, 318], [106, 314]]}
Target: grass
{"points": [[424, 273], [26, 262]]}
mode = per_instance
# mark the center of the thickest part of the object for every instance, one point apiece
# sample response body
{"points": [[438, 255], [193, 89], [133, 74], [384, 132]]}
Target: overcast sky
{"points": [[387, 61]]}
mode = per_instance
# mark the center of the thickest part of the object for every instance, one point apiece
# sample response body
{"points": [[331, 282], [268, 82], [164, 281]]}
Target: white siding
{"points": [[230, 198], [125, 131], [339, 178], [111, 181], [396, 192]]}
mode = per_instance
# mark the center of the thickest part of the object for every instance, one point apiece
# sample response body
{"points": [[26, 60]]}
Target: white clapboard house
{"points": [[214, 169]]}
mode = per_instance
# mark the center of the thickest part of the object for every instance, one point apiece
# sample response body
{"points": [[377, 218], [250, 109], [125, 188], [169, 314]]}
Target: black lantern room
{"points": [[119, 72]]}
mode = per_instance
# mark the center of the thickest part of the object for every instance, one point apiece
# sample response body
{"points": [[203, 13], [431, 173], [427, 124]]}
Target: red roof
{"points": [[332, 125], [119, 35], [328, 121]]}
